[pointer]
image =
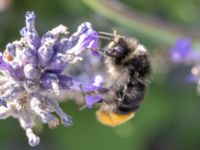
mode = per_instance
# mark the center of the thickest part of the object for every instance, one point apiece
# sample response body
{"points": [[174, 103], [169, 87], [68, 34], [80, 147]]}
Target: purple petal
{"points": [[11, 49], [95, 84], [95, 53], [55, 34], [47, 79], [45, 53], [15, 72], [48, 37], [191, 78], [65, 82], [56, 64], [91, 100], [29, 31], [3, 64], [86, 38], [194, 57], [62, 45], [51, 43], [28, 56]]}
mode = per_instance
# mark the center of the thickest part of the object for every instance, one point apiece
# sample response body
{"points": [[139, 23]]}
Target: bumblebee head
{"points": [[117, 48]]}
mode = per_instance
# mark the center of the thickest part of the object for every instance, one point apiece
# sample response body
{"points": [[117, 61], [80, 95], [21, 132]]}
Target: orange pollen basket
{"points": [[113, 119]]}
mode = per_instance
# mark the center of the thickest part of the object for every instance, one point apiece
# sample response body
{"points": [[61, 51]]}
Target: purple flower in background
{"points": [[34, 70], [182, 52]]}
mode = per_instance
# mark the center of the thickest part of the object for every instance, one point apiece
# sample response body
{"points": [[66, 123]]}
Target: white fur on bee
{"points": [[118, 74]]}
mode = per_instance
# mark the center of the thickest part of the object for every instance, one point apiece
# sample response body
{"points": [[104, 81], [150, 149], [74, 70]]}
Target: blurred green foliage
{"points": [[169, 118], [180, 11]]}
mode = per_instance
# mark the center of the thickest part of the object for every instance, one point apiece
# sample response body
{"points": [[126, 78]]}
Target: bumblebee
{"points": [[129, 70]]}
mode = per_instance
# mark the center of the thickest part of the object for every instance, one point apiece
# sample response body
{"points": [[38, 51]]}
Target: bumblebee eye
{"points": [[117, 51]]}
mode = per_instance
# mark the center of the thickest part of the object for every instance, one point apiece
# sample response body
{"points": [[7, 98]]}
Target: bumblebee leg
{"points": [[122, 97], [82, 91]]}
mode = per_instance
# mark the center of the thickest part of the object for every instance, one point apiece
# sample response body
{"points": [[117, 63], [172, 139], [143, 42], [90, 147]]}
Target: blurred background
{"points": [[168, 119]]}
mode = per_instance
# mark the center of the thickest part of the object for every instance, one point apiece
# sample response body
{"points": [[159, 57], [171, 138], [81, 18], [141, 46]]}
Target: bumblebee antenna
{"points": [[102, 37], [106, 33], [109, 34], [82, 91]]}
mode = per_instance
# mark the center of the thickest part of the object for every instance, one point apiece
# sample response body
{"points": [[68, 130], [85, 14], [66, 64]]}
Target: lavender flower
{"points": [[87, 39], [95, 84], [34, 70], [183, 52]]}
